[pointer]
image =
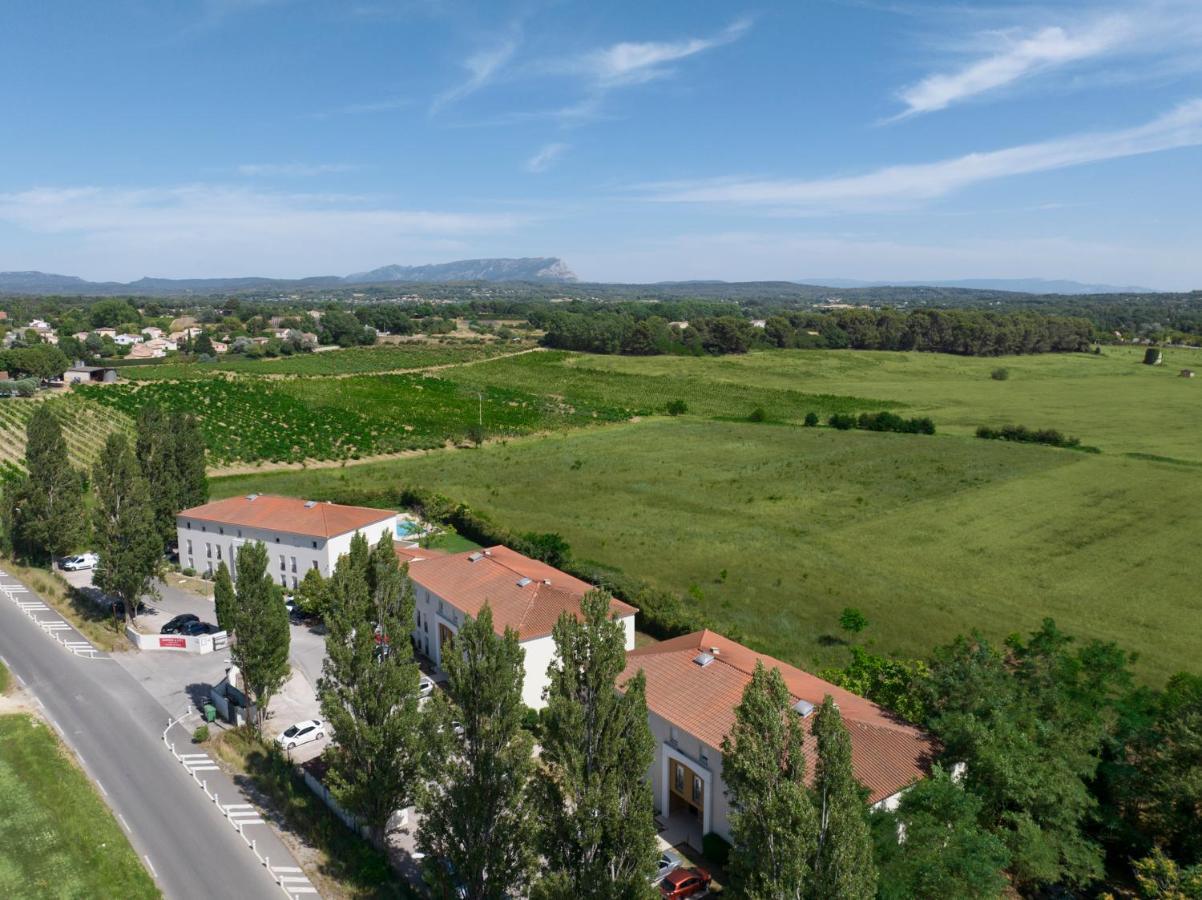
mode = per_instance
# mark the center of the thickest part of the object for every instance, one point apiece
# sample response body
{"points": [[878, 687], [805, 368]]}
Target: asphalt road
{"points": [[115, 728]]}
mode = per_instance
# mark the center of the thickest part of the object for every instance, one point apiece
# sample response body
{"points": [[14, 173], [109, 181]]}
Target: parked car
{"points": [[685, 883], [669, 861], [301, 733], [78, 563], [295, 616], [176, 625], [425, 686], [192, 629]]}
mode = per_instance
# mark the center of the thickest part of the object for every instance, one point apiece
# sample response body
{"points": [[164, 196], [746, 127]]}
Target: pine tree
{"points": [[368, 689], [126, 536], [46, 512], [224, 598], [843, 866], [261, 624], [478, 813], [597, 824], [772, 817]]}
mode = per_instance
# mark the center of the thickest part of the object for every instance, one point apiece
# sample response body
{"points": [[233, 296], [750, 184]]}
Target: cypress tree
{"points": [[598, 828], [155, 447], [843, 867], [369, 683], [131, 554], [46, 513], [261, 623], [224, 598], [772, 817], [478, 814], [189, 451]]}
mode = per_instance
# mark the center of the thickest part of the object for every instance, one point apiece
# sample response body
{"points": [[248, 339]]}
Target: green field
{"points": [[85, 428], [351, 361], [57, 839], [772, 529]]}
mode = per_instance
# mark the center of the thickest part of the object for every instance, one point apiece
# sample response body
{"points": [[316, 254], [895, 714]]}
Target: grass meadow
{"points": [[57, 839], [772, 529]]}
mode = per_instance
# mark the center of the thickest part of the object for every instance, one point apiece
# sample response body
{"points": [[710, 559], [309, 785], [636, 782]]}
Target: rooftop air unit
{"points": [[803, 708], [475, 557], [523, 581], [703, 659], [309, 504]]}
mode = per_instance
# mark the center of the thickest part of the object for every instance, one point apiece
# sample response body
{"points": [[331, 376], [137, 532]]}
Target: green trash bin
{"points": [[210, 712]]}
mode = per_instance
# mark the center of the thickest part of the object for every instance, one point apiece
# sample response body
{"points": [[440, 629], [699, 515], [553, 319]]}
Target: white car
{"points": [[669, 861], [83, 561], [425, 686], [301, 733]]}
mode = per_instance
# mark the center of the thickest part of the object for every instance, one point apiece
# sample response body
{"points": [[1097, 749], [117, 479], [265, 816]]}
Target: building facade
{"points": [[694, 684], [524, 594], [300, 534]]}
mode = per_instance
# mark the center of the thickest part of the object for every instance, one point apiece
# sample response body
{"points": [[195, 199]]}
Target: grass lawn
{"points": [[57, 839], [773, 529]]}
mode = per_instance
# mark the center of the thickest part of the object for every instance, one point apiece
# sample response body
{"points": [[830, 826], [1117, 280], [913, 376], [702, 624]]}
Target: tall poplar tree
{"points": [[189, 447], [478, 814], [224, 598], [772, 817], [171, 452], [261, 624], [843, 867], [45, 512], [369, 683], [597, 820], [131, 554]]}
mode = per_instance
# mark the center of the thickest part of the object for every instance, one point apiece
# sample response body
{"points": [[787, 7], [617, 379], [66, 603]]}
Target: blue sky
{"points": [[666, 140]]}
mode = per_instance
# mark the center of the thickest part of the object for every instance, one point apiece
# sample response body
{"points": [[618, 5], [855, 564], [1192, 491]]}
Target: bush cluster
{"points": [[882, 421], [1024, 435]]}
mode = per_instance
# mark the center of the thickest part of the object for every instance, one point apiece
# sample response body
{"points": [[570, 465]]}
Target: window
{"points": [[294, 566], [189, 548], [189, 524], [294, 582], [315, 564], [679, 778], [315, 545], [696, 789], [283, 581], [283, 564], [221, 531], [208, 550], [218, 552], [419, 618]]}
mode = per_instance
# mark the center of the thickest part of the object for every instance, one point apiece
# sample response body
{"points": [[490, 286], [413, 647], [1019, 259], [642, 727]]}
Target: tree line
{"points": [[131, 523], [963, 332]]}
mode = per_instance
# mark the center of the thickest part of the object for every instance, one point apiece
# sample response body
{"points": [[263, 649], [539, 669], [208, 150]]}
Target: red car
{"points": [[684, 883]]}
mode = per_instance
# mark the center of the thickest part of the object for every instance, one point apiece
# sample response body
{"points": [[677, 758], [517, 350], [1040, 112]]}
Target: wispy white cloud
{"points": [[207, 229], [482, 67], [546, 157], [635, 62], [292, 170], [388, 104], [904, 185], [1017, 57]]}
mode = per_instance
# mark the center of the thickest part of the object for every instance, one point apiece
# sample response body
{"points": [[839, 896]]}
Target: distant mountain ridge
{"points": [[1016, 285], [542, 269]]}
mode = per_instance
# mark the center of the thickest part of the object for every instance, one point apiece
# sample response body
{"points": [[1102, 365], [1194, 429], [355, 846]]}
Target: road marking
{"points": [[239, 806], [286, 869], [302, 890], [293, 879], [194, 756], [101, 786], [150, 865], [123, 822]]}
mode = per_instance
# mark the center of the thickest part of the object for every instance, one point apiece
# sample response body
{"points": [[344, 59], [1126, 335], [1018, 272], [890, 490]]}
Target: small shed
{"points": [[1187, 373], [90, 375]]}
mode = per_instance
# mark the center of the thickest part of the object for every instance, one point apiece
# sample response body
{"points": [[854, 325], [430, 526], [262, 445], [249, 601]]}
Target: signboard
{"points": [[177, 643]]}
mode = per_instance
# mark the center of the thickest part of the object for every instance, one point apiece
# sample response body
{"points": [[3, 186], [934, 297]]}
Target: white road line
{"points": [[123, 822], [302, 890], [202, 768], [194, 756], [101, 786], [293, 879], [150, 866], [286, 869]]}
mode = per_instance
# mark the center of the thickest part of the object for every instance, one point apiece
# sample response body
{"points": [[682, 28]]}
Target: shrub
{"points": [[842, 421], [200, 735], [677, 407], [999, 374], [715, 848], [759, 414], [1023, 435], [811, 419]]}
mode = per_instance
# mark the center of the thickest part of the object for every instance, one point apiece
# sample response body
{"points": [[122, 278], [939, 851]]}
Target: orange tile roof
{"points": [[470, 580], [414, 554], [288, 514], [887, 753]]}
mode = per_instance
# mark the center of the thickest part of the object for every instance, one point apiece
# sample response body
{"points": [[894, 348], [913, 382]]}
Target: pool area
{"points": [[409, 528]]}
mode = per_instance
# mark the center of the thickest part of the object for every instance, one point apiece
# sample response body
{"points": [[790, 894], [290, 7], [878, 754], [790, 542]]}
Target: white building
{"points": [[524, 594], [694, 682], [127, 340], [299, 534]]}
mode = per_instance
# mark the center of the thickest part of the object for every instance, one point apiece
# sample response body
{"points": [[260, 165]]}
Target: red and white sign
{"points": [[177, 643]]}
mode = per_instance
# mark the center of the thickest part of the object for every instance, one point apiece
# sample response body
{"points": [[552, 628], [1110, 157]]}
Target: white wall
{"points": [[205, 545], [705, 761]]}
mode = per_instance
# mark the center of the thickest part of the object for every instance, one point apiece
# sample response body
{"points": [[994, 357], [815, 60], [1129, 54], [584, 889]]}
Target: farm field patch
{"points": [[772, 529], [350, 361], [85, 429], [1111, 401], [57, 839]]}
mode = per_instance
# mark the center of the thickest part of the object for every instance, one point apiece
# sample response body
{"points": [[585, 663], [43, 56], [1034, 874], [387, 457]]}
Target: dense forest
{"points": [[962, 332]]}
